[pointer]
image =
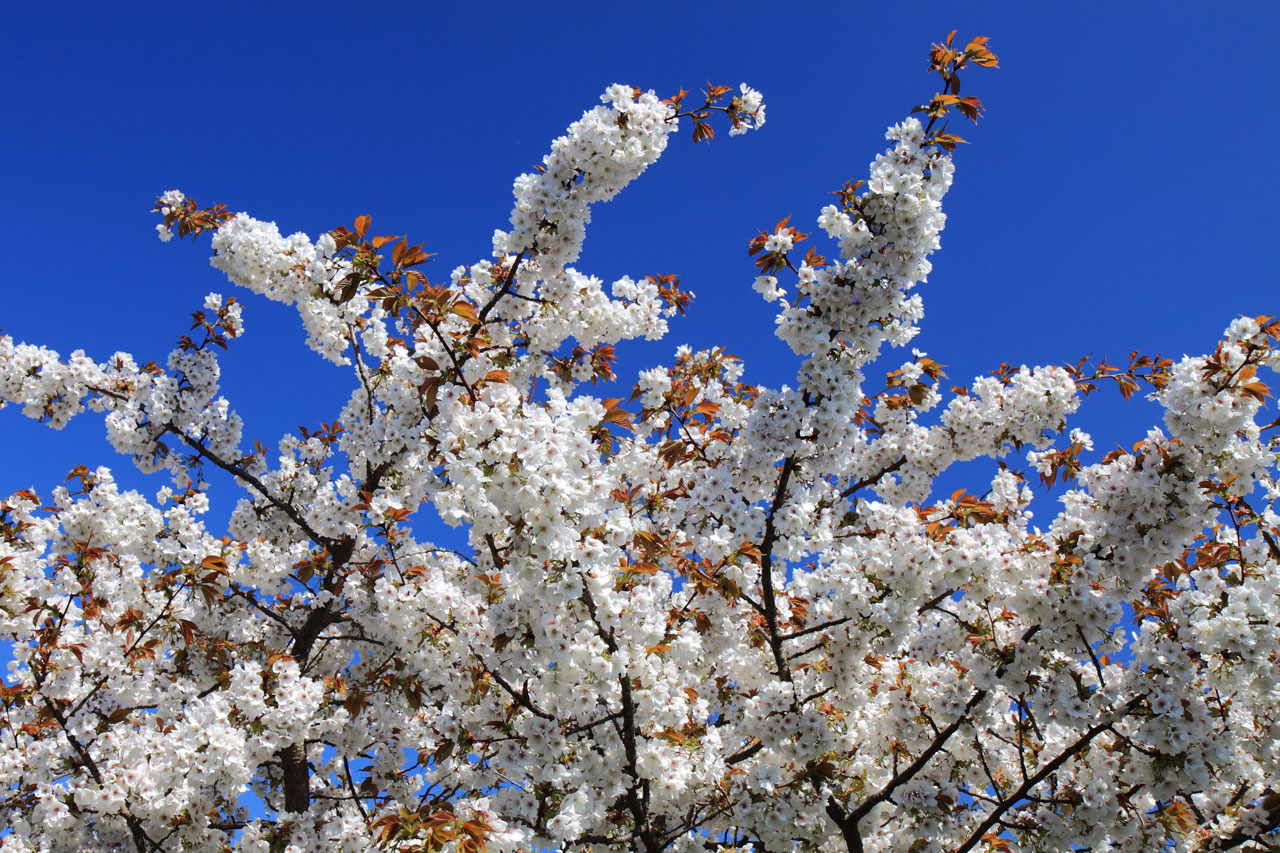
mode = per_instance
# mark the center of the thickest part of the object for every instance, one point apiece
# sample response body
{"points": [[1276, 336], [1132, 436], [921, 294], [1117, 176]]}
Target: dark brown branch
{"points": [[1270, 804], [501, 292], [935, 601], [874, 478], [1272, 545], [140, 840], [907, 773], [848, 821], [808, 650], [814, 629], [1097, 665], [346, 766], [982, 758], [521, 697], [137, 641], [448, 350], [498, 562], [636, 796], [586, 727], [293, 758], [236, 592], [766, 570], [848, 828], [241, 474], [362, 372], [751, 602], [1040, 775], [297, 778], [744, 753], [305, 637]]}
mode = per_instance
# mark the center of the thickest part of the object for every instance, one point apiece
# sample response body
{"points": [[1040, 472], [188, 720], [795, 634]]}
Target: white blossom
{"points": [[713, 613]]}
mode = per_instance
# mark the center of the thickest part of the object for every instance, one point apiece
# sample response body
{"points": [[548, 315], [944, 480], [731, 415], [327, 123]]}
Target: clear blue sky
{"points": [[1120, 194]]}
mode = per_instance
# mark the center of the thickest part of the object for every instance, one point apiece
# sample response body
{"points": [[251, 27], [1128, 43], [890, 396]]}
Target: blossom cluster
{"points": [[600, 154], [713, 616]]}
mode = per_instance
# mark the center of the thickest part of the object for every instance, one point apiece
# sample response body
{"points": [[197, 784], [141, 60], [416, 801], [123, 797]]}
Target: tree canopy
{"points": [[701, 614]]}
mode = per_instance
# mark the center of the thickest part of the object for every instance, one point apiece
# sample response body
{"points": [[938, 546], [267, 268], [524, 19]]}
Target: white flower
{"points": [[767, 286], [779, 243], [750, 104]]}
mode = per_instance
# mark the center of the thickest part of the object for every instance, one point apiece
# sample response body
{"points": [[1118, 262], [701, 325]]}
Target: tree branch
{"points": [[766, 570], [140, 839], [1040, 775], [874, 478], [241, 474], [848, 821]]}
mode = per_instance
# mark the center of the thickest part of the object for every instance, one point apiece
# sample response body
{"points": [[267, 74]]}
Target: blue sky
{"points": [[1120, 194]]}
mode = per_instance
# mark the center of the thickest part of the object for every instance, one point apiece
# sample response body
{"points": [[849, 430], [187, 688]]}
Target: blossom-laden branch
{"points": [[710, 615]]}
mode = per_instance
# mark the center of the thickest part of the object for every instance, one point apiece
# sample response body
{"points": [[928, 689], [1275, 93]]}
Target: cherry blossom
{"points": [[712, 616]]}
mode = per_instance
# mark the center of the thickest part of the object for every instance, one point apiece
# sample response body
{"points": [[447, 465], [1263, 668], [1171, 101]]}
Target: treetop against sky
{"points": [[1110, 201], [563, 556]]}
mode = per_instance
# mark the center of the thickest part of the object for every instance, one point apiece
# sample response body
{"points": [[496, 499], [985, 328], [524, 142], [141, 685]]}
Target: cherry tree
{"points": [[711, 616]]}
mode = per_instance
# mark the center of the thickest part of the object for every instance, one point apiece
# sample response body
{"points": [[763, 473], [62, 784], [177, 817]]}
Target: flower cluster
{"points": [[712, 616], [600, 154]]}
